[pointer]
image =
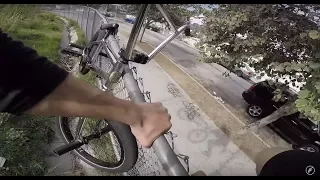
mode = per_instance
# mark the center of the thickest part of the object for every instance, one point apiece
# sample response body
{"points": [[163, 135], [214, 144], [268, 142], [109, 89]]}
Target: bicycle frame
{"points": [[163, 150]]}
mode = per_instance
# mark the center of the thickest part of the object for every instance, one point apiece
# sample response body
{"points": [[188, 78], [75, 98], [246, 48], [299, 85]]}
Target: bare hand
{"points": [[199, 173], [154, 121]]}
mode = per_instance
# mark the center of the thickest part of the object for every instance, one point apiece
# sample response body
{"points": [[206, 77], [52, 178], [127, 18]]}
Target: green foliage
{"points": [[13, 14], [287, 41], [22, 138], [41, 32]]}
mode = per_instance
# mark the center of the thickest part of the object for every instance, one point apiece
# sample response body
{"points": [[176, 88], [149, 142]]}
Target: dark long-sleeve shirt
{"points": [[25, 77]]}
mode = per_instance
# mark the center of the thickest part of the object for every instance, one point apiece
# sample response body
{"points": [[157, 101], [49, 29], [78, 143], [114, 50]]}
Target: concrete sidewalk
{"points": [[209, 148]]}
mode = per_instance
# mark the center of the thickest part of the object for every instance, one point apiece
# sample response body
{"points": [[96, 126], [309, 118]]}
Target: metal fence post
{"points": [[73, 14], [77, 16], [87, 23], [94, 20], [64, 10], [82, 18]]}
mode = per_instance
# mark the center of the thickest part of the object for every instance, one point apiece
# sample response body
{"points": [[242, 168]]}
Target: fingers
{"points": [[159, 104], [199, 173]]}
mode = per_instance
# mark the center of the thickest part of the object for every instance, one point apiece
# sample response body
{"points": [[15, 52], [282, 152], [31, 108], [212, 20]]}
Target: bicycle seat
{"points": [[109, 26]]}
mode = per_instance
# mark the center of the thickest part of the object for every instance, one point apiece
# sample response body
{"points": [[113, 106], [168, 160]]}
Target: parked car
{"points": [[302, 133], [109, 14], [130, 19], [245, 72], [153, 28]]}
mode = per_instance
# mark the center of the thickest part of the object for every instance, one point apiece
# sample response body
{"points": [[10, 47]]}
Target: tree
{"points": [[282, 41]]}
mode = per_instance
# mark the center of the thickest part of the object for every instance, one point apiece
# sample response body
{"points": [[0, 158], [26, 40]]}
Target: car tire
{"points": [[308, 147], [239, 73], [255, 111]]}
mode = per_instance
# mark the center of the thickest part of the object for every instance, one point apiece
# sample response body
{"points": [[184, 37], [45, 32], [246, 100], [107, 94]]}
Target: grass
{"points": [[22, 141], [102, 146], [89, 78], [11, 15], [82, 40], [42, 32], [23, 138]]}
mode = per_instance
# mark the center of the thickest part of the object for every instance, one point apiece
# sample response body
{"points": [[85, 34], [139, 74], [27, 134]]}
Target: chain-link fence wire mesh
{"points": [[88, 18], [90, 21]]}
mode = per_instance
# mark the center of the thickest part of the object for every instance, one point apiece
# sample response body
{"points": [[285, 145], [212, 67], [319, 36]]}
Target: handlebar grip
{"points": [[76, 46], [187, 31], [68, 147], [70, 51]]}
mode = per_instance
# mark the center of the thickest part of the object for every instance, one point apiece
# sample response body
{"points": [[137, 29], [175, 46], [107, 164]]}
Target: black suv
{"points": [[301, 133]]}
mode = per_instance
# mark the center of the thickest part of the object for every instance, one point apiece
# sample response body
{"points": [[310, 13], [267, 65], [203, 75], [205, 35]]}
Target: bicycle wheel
{"points": [[82, 66], [115, 151], [120, 140]]}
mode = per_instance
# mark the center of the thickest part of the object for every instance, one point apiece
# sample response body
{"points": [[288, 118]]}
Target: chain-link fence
{"points": [[90, 20]]}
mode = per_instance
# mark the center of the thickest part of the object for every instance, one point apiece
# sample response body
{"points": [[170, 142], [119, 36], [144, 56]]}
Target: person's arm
{"points": [[32, 84], [78, 99]]}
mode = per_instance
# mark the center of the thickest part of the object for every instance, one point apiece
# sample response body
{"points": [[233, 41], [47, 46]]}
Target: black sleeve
{"points": [[25, 77], [293, 163]]}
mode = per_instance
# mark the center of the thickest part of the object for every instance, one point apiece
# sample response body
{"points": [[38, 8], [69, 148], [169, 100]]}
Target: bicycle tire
{"points": [[82, 69], [125, 138], [123, 133], [82, 66]]}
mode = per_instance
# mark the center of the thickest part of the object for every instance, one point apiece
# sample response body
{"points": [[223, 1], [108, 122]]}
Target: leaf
{"points": [[303, 35], [300, 103], [317, 86], [280, 68], [314, 66], [277, 97], [288, 68], [303, 94], [245, 18], [314, 34], [317, 55]]}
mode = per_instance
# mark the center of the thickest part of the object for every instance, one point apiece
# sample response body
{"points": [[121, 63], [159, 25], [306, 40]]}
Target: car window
{"points": [[311, 125], [264, 91]]}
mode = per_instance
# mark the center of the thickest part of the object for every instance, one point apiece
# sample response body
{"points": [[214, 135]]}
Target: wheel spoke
{"points": [[99, 122], [79, 128]]}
